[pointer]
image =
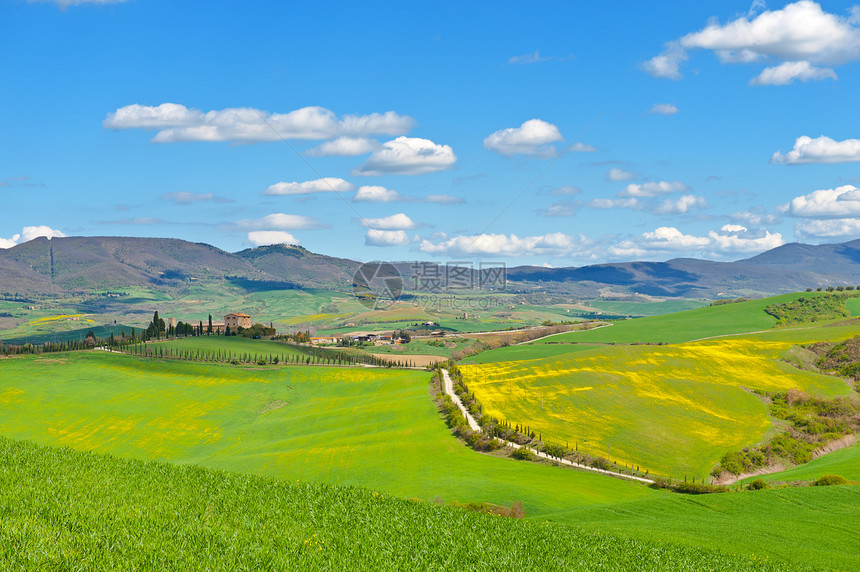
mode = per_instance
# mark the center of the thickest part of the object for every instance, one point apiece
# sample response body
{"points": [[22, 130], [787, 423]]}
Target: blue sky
{"points": [[570, 134]]}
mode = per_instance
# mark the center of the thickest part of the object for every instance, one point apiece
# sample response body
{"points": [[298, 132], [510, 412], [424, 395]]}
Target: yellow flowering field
{"points": [[674, 410]]}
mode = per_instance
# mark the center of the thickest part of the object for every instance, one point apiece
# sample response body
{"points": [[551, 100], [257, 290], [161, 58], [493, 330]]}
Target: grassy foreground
{"points": [[68, 510]]}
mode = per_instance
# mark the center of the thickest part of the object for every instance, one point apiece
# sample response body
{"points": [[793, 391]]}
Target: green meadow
{"points": [[168, 517], [844, 462], [369, 427], [737, 318]]}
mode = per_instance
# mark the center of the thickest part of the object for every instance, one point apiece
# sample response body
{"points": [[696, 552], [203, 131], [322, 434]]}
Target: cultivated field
{"points": [[674, 409]]}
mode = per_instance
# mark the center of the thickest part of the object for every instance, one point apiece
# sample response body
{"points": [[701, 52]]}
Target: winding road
{"points": [[473, 425]]}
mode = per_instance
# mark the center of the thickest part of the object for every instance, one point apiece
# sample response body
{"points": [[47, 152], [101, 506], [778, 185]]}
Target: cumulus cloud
{"points": [[667, 239], [268, 237], [281, 221], [842, 228], [841, 202], [28, 233], [756, 216], [175, 122], [559, 208], [618, 174], [819, 150], [397, 221], [185, 198], [681, 205], [386, 238], [653, 189], [324, 185], [343, 147], [663, 109], [408, 156], [533, 137], [799, 33], [376, 194], [623, 203], [552, 244], [787, 72]]}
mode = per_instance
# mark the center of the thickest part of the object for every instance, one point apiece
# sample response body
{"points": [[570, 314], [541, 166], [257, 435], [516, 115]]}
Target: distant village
{"points": [[237, 321]]}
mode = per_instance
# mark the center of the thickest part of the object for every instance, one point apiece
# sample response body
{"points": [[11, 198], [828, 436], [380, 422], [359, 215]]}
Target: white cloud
{"points": [[616, 174], [530, 58], [579, 147], [186, 198], [343, 147], [552, 244], [799, 32], [28, 233], [175, 122], [756, 216], [730, 239], [443, 199], [281, 221], [667, 64], [66, 3], [386, 238], [844, 228], [533, 137], [681, 205], [628, 203], [559, 208], [734, 228], [324, 185], [787, 72], [841, 202], [564, 191], [268, 237], [397, 221], [819, 150], [663, 109], [408, 156], [376, 194], [653, 189]]}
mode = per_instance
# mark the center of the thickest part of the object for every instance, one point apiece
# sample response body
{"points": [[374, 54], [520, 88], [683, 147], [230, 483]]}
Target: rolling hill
{"points": [[86, 264]]}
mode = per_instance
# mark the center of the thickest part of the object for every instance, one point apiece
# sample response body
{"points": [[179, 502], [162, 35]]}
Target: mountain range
{"points": [[85, 264]]}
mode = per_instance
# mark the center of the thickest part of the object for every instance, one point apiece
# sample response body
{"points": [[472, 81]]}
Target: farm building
{"points": [[237, 320]]}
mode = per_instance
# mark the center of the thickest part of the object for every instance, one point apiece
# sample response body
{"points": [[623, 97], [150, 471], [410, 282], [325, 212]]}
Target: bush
{"points": [[261, 362], [234, 361], [758, 485], [828, 480], [522, 454]]}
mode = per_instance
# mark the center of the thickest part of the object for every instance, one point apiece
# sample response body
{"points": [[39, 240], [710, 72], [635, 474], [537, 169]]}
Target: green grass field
{"points": [[686, 326], [815, 525], [235, 344], [844, 462], [375, 428], [646, 308], [166, 517]]}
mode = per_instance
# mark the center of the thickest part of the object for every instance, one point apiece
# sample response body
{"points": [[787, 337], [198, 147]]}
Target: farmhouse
{"points": [[237, 320]]}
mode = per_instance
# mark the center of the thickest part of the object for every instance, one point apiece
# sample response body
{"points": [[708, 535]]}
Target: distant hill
{"points": [[84, 264], [788, 268]]}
